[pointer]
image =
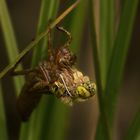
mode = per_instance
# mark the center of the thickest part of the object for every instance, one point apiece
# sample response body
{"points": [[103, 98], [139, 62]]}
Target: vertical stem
{"points": [[106, 36], [10, 40], [3, 131], [103, 114]]}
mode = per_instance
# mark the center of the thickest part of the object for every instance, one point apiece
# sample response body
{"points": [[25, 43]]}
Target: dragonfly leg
{"points": [[50, 50], [67, 44], [45, 72], [40, 86], [21, 72]]}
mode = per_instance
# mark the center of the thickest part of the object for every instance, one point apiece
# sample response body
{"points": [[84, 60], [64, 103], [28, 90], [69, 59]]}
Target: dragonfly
{"points": [[57, 76]]}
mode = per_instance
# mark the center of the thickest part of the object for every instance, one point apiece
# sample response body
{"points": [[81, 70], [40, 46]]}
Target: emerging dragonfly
{"points": [[56, 76]]}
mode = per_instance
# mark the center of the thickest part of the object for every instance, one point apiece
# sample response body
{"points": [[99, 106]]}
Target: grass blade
{"points": [[76, 28], [10, 40], [106, 36], [3, 131], [119, 53], [58, 121], [118, 56], [47, 13], [105, 128], [133, 132], [11, 45]]}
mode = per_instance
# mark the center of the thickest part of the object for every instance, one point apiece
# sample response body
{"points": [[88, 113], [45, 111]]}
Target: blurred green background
{"points": [[82, 118]]}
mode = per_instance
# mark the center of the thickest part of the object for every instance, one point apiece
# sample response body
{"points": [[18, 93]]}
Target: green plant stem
{"points": [[10, 45], [119, 54], [133, 132], [105, 50], [103, 114], [3, 131], [58, 121], [116, 65], [106, 36], [10, 40], [76, 28], [47, 12]]}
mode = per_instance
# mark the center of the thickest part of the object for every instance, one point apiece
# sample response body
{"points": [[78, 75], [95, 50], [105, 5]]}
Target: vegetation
{"points": [[109, 60]]}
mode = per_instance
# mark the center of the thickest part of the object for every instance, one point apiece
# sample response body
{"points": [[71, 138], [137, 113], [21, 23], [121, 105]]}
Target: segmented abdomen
{"points": [[27, 102]]}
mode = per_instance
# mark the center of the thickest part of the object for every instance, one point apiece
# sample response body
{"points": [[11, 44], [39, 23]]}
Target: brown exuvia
{"points": [[55, 76]]}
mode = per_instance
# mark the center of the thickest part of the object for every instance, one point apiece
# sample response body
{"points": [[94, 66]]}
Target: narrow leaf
{"points": [[76, 27], [133, 132], [3, 131], [106, 36], [119, 54], [47, 13], [104, 128], [10, 40]]}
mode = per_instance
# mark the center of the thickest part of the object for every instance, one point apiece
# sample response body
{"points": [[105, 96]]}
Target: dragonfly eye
{"points": [[86, 90], [82, 92]]}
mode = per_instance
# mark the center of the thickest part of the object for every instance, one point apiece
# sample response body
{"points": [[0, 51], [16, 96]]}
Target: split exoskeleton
{"points": [[55, 76]]}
